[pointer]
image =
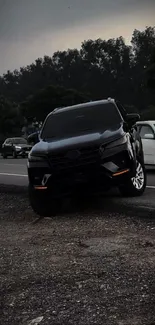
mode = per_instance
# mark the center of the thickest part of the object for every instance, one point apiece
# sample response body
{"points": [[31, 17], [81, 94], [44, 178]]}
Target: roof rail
{"points": [[110, 99]]}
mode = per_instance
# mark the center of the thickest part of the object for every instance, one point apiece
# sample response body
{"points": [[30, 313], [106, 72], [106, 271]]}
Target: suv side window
{"points": [[145, 129]]}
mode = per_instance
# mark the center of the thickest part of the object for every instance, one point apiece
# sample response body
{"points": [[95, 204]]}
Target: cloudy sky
{"points": [[33, 28]]}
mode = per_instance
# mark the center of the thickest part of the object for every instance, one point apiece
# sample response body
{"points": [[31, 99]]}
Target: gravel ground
{"points": [[86, 266]]}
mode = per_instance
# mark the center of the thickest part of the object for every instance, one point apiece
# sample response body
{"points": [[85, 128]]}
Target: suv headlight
{"points": [[117, 143], [17, 147], [113, 144]]}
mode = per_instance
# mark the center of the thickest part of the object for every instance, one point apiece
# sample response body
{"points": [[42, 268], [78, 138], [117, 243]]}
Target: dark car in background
{"points": [[15, 147], [87, 147]]}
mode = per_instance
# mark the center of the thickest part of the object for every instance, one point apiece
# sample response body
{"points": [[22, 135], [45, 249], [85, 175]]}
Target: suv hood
{"points": [[85, 140]]}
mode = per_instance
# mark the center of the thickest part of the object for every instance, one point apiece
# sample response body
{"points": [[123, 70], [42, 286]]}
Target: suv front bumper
{"points": [[116, 166]]}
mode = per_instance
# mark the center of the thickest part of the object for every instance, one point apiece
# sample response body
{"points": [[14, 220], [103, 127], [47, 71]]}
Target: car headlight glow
{"points": [[18, 148]]}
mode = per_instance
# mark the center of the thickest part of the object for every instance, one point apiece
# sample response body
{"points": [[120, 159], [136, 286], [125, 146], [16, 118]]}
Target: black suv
{"points": [[91, 146]]}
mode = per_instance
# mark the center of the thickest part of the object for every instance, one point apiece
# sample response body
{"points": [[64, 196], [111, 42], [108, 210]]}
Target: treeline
{"points": [[100, 69]]}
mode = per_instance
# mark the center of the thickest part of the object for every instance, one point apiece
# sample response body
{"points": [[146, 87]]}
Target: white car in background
{"points": [[147, 133]]}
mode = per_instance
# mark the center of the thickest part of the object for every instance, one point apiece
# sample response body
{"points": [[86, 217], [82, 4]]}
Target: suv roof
{"points": [[88, 104]]}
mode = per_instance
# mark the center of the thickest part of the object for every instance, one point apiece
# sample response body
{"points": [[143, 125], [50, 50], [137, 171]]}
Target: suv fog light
{"points": [[110, 166], [40, 187], [121, 172]]}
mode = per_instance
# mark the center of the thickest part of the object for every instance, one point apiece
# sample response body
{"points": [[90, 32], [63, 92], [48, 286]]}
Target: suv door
{"points": [[148, 140]]}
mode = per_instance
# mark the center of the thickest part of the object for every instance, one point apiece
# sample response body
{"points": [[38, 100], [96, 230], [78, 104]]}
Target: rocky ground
{"points": [[89, 265]]}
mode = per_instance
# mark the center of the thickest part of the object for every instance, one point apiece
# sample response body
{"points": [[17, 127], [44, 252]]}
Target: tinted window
{"points": [[145, 129], [7, 141], [81, 120]]}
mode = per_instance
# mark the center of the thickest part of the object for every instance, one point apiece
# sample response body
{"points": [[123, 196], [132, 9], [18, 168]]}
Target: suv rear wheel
{"points": [[136, 185], [42, 204]]}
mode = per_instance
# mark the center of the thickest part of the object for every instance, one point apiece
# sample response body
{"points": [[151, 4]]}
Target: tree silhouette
{"points": [[101, 68]]}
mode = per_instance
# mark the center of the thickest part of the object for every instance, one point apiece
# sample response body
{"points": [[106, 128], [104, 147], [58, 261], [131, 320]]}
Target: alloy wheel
{"points": [[138, 180]]}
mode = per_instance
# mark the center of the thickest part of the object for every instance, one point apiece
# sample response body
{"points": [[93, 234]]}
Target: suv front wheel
{"points": [[42, 203], [136, 185]]}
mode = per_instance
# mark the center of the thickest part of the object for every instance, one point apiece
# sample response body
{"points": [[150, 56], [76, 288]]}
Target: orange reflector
{"points": [[40, 187], [122, 172]]}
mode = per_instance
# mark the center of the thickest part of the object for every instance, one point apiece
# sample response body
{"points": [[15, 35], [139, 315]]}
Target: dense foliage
{"points": [[100, 69], [46, 100]]}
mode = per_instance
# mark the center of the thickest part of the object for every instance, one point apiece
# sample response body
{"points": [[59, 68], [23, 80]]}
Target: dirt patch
{"points": [[87, 267]]}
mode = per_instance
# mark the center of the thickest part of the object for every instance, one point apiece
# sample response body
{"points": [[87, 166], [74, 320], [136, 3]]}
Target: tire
{"points": [[42, 204], [136, 185]]}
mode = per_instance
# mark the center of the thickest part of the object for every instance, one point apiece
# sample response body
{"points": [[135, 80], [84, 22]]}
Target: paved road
{"points": [[14, 172]]}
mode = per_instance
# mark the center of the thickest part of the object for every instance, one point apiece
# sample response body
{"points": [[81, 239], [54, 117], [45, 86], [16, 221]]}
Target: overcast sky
{"points": [[33, 28]]}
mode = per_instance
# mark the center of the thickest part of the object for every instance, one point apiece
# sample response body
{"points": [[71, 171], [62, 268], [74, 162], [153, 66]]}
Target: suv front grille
{"points": [[84, 157]]}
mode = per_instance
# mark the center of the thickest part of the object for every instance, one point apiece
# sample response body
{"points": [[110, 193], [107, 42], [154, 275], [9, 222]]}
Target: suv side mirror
{"points": [[131, 119]]}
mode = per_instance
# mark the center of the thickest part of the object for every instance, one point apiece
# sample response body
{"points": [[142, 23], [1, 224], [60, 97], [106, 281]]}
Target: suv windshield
{"points": [[77, 121], [18, 141]]}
